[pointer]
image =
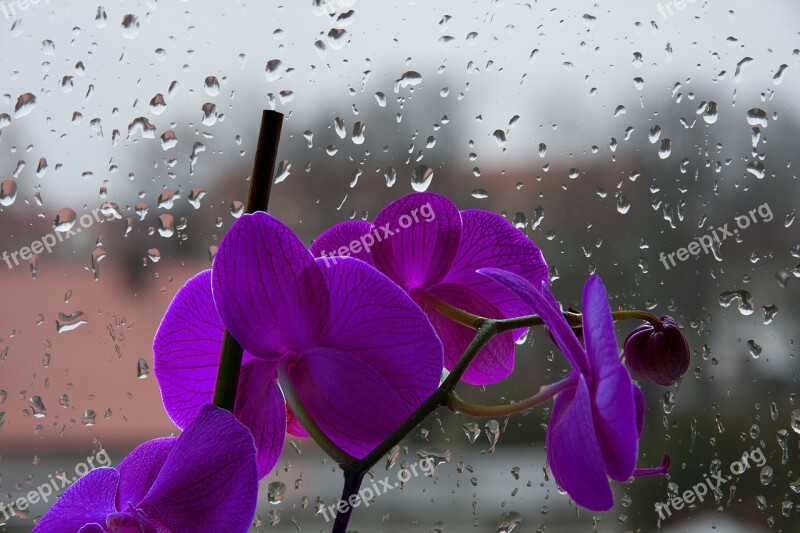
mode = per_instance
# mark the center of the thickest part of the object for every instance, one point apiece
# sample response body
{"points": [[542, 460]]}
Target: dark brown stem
{"points": [[230, 359]]}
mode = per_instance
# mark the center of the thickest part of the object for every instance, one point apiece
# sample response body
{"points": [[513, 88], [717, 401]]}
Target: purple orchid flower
{"points": [[430, 249], [598, 416], [204, 480], [359, 353]]}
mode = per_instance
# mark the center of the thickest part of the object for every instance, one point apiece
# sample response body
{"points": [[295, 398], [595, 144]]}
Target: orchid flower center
{"points": [[130, 521]]}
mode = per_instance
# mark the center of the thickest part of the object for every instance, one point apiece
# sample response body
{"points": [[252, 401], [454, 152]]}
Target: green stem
{"points": [[459, 315], [642, 315], [437, 399], [445, 395], [337, 454], [230, 357], [352, 483], [455, 403]]}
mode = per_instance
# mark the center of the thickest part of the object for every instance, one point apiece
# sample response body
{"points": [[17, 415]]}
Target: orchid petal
{"points": [[260, 406], [420, 254], [86, 502], [344, 235], [490, 241], [92, 528], [293, 425], [541, 302], [373, 319], [615, 407], [350, 401], [187, 349], [495, 361], [641, 407], [573, 452], [209, 480], [139, 470], [267, 288]]}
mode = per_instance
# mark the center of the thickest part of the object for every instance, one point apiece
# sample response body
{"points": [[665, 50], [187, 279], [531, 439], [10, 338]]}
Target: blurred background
{"points": [[609, 133]]}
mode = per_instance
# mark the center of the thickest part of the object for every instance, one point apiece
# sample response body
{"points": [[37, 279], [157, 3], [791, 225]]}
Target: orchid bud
{"points": [[656, 355]]}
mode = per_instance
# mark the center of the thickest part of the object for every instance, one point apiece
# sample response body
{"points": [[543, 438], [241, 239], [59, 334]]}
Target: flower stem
{"points": [[230, 358], [455, 403], [352, 484], [642, 315], [445, 395], [437, 399], [459, 315]]}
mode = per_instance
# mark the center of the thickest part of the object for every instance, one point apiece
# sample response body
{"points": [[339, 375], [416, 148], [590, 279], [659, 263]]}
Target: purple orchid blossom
{"points": [[598, 416], [430, 249], [359, 353], [204, 480]]}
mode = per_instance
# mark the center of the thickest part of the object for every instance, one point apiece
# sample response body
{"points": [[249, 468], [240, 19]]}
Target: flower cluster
{"points": [[347, 351]]}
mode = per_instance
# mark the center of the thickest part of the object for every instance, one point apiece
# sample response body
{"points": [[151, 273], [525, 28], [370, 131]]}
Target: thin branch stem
{"points": [[459, 315], [455, 403]]}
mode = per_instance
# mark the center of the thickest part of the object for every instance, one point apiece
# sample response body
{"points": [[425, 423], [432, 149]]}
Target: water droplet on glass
{"points": [[757, 117], [211, 85], [766, 475], [409, 78], [101, 18], [195, 196], [143, 127], [69, 321], [37, 406], [743, 299], [492, 429], [665, 149], [500, 138], [142, 368], [284, 168], [421, 178], [472, 431], [209, 114], [130, 26], [390, 174], [435, 456], [778, 77], [275, 492], [169, 140], [710, 113], [796, 421], [25, 104], [358, 132], [508, 522], [88, 417], [737, 75], [65, 219], [166, 225], [8, 192], [754, 348], [339, 127]]}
